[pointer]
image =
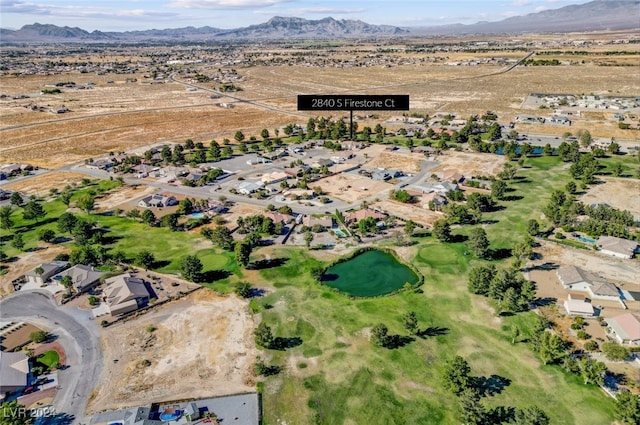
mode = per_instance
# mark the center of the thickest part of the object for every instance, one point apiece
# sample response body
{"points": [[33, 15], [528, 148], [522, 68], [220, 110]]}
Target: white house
{"points": [[625, 328], [617, 247], [577, 279], [577, 307]]}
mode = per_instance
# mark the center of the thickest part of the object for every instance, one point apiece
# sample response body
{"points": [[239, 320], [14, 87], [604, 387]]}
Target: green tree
{"points": [[18, 242], [522, 251], [498, 189], [457, 375], [239, 136], [170, 221], [551, 348], [308, 238], [592, 371], [410, 322], [617, 170], [613, 148], [472, 412], [191, 268], [531, 416], [86, 202], [33, 210], [82, 232], [46, 235], [515, 334], [478, 242], [185, 206], [615, 351], [409, 227], [6, 222], [628, 407], [145, 259], [222, 237], [243, 252], [480, 279], [263, 336], [442, 230], [148, 217], [380, 335], [585, 138], [16, 199], [243, 289], [38, 336]]}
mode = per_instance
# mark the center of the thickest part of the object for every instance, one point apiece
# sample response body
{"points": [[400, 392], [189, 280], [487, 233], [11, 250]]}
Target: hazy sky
{"points": [[118, 15]]}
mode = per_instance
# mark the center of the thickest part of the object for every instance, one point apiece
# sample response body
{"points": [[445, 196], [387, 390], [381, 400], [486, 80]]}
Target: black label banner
{"points": [[327, 102]]}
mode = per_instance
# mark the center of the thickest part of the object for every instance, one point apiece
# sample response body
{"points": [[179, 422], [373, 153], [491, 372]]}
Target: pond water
{"points": [[369, 274]]}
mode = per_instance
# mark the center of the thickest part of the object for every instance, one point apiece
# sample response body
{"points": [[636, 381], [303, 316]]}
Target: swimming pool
{"points": [[170, 415], [196, 215], [586, 239]]}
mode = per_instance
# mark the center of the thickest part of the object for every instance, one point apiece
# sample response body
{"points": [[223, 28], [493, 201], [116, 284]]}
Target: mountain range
{"points": [[593, 16]]}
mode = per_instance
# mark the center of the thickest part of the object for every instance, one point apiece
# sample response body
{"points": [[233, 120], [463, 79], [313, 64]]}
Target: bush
{"points": [[582, 335], [591, 346], [38, 336], [615, 351]]}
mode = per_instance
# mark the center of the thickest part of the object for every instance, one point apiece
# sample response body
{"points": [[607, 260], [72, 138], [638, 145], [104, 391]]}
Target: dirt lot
{"points": [[27, 261], [353, 188], [40, 185], [202, 347], [615, 192], [470, 164], [409, 163], [413, 212]]}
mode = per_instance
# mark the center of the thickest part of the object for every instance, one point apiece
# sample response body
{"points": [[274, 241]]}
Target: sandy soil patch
{"points": [[470, 164], [40, 184], [27, 261], [413, 212], [202, 347], [615, 191], [124, 197], [353, 188], [409, 163]]}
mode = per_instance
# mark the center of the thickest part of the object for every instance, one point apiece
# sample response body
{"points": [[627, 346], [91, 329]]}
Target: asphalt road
{"points": [[76, 333]]}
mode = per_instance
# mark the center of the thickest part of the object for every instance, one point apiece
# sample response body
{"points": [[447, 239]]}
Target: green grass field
{"points": [[49, 358], [336, 376]]}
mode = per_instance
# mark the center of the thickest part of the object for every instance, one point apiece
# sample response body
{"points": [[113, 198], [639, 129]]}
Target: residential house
{"points": [[439, 187], [617, 247], [101, 164], [325, 222], [246, 188], [48, 270], [574, 306], [5, 194], [362, 214], [322, 162], [278, 217], [125, 293], [14, 371], [576, 279], [560, 120], [83, 277], [438, 199], [453, 177], [625, 328], [158, 200]]}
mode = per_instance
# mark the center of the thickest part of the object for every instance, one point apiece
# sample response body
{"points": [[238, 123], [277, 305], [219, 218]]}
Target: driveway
{"points": [[75, 332]]}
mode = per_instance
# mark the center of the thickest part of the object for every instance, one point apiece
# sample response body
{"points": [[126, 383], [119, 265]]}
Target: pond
{"points": [[369, 274]]}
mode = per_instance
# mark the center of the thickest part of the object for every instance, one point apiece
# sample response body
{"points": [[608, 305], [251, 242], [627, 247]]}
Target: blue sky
{"points": [[119, 15]]}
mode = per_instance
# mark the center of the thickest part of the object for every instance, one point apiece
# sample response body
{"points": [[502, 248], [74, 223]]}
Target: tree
{"points": [[533, 228], [617, 170], [239, 136], [410, 322], [148, 217], [67, 282], [613, 148], [18, 242], [185, 206], [531, 416], [472, 411], [33, 210], [145, 259], [46, 235], [615, 351], [498, 189], [628, 407], [571, 187], [82, 232], [515, 334], [409, 227], [16, 199], [380, 335], [5, 217], [308, 238], [478, 242], [222, 237], [442, 230], [243, 289], [457, 375], [551, 348], [38, 336], [86, 202], [522, 251], [263, 336], [592, 371], [243, 252], [170, 221], [585, 138], [191, 268], [480, 279]]}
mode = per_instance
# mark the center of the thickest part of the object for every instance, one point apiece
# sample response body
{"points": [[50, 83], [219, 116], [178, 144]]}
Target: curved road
{"points": [[76, 333]]}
